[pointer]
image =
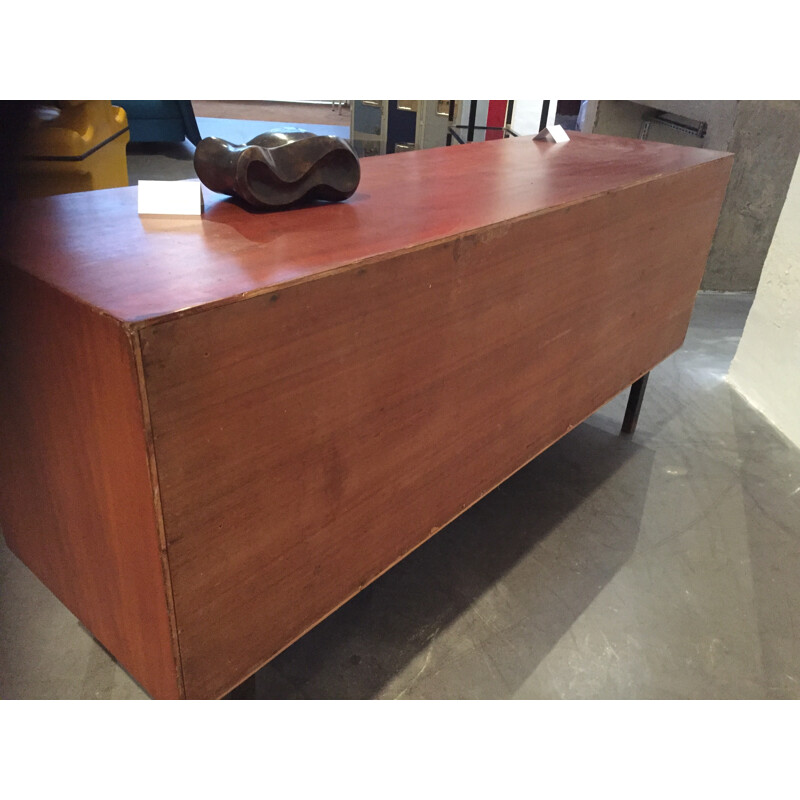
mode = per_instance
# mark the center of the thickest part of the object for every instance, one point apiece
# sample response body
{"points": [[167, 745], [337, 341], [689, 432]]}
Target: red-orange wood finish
{"points": [[93, 245], [328, 387], [76, 500]]}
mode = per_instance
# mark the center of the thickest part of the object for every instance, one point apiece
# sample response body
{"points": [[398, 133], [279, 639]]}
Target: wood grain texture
{"points": [[75, 497], [214, 433], [138, 270], [310, 437]]}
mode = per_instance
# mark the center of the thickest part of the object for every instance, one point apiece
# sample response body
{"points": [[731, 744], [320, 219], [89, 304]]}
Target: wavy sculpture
{"points": [[279, 168]]}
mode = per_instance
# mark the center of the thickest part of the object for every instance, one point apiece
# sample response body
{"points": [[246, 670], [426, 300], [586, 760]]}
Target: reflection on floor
{"points": [[284, 112], [663, 565]]}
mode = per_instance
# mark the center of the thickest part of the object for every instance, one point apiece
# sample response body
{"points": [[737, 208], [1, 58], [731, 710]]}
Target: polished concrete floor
{"points": [[285, 112], [662, 565]]}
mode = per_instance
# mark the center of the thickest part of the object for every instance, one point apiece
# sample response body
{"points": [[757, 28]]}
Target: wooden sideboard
{"points": [[215, 432]]}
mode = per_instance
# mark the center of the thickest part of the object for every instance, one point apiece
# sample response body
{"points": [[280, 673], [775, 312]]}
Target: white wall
{"points": [[481, 112], [527, 115], [766, 368]]}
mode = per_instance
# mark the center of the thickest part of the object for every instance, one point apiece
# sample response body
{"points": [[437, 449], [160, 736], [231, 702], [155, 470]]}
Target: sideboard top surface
{"points": [[94, 246]]}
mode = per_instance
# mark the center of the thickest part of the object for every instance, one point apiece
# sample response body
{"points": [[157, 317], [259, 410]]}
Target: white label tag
{"points": [[552, 133], [170, 199]]}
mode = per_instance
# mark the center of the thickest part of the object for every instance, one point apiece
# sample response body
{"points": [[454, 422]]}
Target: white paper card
{"points": [[170, 199], [552, 133]]}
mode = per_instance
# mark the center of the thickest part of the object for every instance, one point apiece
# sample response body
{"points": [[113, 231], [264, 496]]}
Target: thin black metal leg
{"points": [[473, 111], [634, 404], [545, 113]]}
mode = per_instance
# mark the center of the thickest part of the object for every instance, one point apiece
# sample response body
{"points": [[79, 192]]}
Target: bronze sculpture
{"points": [[280, 168]]}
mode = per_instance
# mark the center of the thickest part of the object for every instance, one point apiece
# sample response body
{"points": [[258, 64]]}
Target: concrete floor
{"points": [[663, 565], [284, 112]]}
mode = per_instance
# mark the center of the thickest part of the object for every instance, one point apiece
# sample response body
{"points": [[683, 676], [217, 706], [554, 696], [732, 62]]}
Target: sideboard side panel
{"points": [[76, 500], [308, 439]]}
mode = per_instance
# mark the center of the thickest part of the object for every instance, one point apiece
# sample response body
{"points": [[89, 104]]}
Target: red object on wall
{"points": [[496, 118]]}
